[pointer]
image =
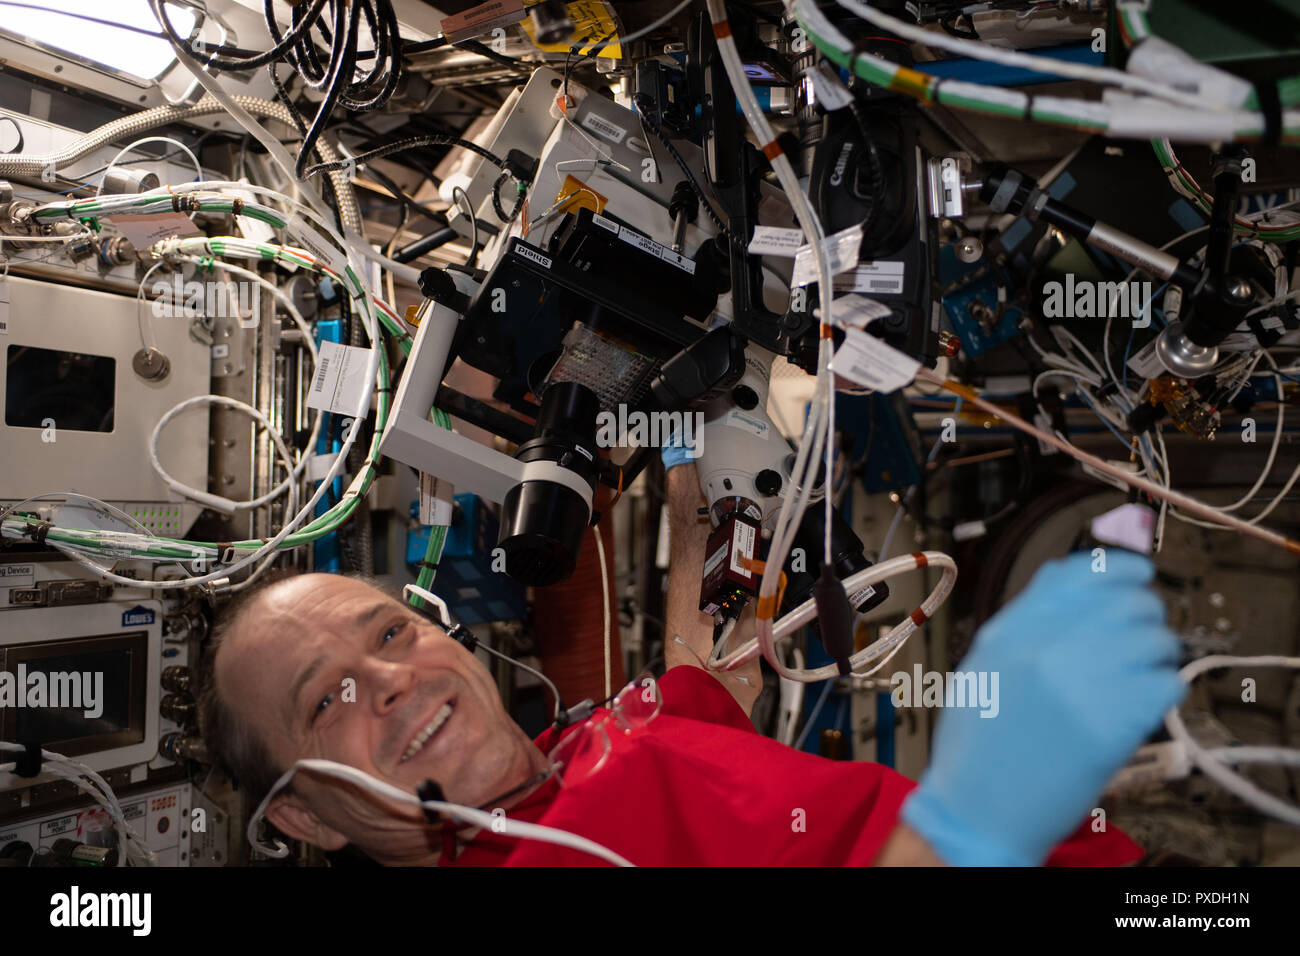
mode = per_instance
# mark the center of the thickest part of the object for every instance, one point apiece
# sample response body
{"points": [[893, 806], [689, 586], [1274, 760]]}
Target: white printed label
{"points": [[318, 466], [715, 559], [603, 127], [862, 595], [655, 249], [328, 255], [528, 252], [879, 277], [1146, 363], [340, 384], [17, 575], [773, 241], [829, 92], [867, 360], [677, 259], [641, 242], [745, 422], [1044, 422], [144, 230], [742, 546], [604, 223], [858, 311], [841, 249], [436, 500]]}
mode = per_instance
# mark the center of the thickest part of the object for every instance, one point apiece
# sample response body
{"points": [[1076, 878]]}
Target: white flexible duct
{"points": [[31, 166]]}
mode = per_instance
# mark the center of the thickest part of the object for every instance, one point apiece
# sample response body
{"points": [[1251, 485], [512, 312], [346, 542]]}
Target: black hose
{"points": [[381, 151], [496, 199], [652, 121], [340, 68]]}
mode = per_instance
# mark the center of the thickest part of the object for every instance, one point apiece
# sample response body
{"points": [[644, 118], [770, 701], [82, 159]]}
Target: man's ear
{"points": [[295, 819]]}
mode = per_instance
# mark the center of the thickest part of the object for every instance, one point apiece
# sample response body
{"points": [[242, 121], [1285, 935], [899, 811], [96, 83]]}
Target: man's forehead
{"points": [[310, 604]]}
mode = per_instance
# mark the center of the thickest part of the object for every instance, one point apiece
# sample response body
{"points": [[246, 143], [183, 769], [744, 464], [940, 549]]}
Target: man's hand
{"points": [[1087, 668]]}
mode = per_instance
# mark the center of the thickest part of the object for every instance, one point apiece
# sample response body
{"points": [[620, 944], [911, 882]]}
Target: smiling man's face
{"points": [[328, 667]]}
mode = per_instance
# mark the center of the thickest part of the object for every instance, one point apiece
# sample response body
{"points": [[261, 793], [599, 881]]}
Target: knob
{"points": [[178, 747], [768, 482], [745, 397], [177, 708], [177, 678]]}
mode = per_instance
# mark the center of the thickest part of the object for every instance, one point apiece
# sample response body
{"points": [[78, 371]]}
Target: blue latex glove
{"points": [[1087, 668], [674, 453]]}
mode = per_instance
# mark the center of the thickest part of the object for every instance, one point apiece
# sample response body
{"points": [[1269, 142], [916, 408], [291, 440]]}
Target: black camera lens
{"points": [[847, 559], [544, 517]]}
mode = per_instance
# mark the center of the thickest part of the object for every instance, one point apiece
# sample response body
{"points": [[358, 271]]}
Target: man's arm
{"points": [[689, 532], [905, 847]]}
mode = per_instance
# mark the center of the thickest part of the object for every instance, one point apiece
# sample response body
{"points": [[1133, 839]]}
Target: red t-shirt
{"points": [[699, 786]]}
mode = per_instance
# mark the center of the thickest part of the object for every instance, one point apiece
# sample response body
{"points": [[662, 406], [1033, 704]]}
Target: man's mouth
{"points": [[428, 731]]}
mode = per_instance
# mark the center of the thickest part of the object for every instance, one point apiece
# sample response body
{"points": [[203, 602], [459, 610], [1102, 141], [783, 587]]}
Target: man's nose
{"points": [[388, 682]]}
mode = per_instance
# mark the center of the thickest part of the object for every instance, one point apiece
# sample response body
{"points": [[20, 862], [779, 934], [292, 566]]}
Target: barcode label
{"points": [[878, 277], [340, 384], [841, 251], [4, 306], [603, 127]]}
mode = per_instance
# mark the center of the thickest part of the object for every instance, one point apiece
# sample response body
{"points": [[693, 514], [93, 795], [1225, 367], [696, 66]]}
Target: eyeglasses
{"points": [[584, 751]]}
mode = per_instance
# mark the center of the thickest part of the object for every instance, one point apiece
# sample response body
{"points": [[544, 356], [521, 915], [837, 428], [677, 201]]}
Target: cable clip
{"points": [[430, 791], [38, 531], [28, 764]]}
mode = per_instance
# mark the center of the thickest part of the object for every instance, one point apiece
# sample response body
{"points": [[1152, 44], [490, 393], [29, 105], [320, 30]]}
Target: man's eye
{"points": [[391, 634], [324, 703]]}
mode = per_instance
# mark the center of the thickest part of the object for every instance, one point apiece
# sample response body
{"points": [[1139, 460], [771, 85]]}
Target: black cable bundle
{"points": [[339, 28]]}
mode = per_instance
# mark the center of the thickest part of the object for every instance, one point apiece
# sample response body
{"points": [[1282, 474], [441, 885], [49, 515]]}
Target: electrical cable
{"points": [[494, 823], [1152, 489], [652, 122], [389, 149], [1217, 769], [1119, 114], [458, 194], [604, 606]]}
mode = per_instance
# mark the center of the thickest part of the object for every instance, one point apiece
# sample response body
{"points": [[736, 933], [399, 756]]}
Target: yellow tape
{"points": [[593, 24], [575, 195], [911, 82]]}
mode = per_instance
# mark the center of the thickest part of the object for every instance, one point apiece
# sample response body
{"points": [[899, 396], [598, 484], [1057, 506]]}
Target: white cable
{"points": [[975, 49], [765, 644], [208, 500], [463, 814], [243, 117], [1216, 769], [371, 373], [198, 168], [148, 341], [810, 446], [1259, 482], [638, 34], [604, 606], [63, 239], [1285, 756], [96, 787], [1059, 330]]}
